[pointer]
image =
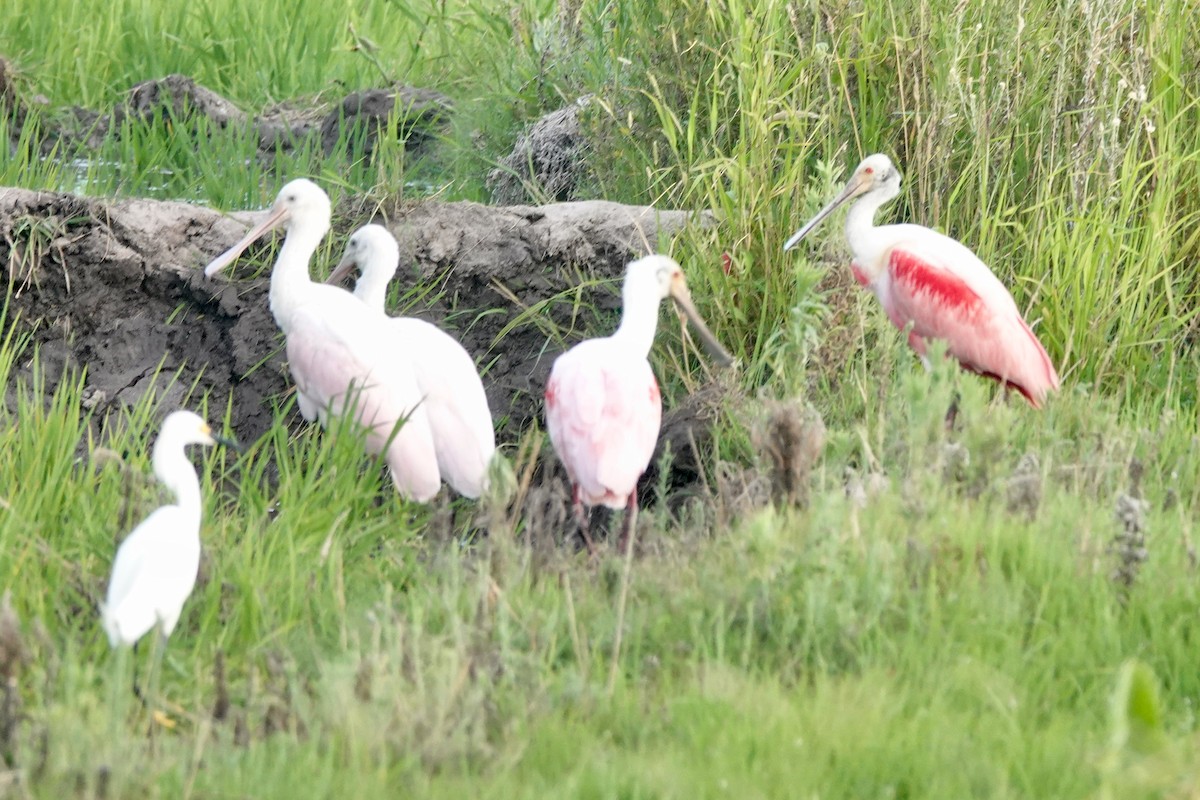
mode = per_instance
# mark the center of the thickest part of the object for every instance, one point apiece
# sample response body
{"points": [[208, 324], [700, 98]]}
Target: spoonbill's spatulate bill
{"points": [[454, 400], [337, 348], [156, 565], [603, 407], [938, 286]]}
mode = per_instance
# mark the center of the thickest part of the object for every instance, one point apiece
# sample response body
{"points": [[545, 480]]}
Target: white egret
{"points": [[156, 565]]}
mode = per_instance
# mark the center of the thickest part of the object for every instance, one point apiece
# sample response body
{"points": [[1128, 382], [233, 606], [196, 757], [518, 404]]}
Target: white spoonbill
{"points": [[603, 407], [455, 403], [155, 568], [938, 286], [337, 348]]}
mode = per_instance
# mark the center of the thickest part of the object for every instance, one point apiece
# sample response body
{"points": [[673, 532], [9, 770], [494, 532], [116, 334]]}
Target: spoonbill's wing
{"points": [[340, 362], [463, 433], [947, 293], [603, 411]]}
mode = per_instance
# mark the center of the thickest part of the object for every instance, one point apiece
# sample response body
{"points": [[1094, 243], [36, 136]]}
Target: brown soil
{"points": [[116, 286]]}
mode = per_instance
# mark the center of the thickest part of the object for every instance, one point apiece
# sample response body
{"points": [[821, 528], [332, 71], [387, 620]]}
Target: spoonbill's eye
{"points": [[868, 171]]}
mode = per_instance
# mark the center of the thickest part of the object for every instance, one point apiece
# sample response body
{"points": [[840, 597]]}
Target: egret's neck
{"points": [[175, 471], [639, 317], [372, 289], [290, 279]]}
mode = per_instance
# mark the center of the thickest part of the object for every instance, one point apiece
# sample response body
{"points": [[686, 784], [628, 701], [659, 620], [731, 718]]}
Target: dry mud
{"points": [[116, 286]]}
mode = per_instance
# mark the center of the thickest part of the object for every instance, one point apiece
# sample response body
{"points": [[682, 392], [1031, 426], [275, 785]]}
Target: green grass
{"points": [[931, 642], [937, 639]]}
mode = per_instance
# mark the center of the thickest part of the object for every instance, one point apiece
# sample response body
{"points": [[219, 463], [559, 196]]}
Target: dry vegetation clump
{"points": [[1129, 543], [791, 435], [546, 162], [739, 491], [1024, 494], [546, 512], [13, 656]]}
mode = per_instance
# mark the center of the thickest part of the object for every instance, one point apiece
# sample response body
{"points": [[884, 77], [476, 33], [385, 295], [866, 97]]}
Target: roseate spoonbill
{"points": [[938, 286], [155, 568], [337, 348], [603, 408], [455, 403]]}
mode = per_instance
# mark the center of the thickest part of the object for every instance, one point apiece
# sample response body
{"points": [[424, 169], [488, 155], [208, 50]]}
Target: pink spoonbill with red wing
{"points": [[936, 288]]}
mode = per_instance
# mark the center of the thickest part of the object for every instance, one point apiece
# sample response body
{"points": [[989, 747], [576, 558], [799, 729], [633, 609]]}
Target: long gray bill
{"points": [[715, 351], [852, 190], [274, 219], [340, 271], [228, 441]]}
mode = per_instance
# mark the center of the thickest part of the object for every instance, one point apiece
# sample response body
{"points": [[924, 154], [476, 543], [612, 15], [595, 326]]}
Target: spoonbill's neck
{"points": [[861, 218], [290, 280], [372, 287], [860, 225], [639, 316], [175, 471]]}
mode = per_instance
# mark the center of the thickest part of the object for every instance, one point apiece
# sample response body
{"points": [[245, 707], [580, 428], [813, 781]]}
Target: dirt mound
{"points": [[365, 114], [112, 286], [360, 117], [180, 97], [116, 286]]}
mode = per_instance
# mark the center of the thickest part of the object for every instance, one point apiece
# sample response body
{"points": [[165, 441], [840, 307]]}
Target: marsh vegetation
{"points": [[1002, 607]]}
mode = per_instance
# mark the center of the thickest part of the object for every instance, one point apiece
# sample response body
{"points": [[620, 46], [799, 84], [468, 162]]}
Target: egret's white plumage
{"points": [[155, 568], [338, 350], [937, 286], [454, 400], [603, 407]]}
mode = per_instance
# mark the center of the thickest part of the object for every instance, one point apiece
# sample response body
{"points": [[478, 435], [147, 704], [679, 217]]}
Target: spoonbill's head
{"points": [[300, 205], [372, 249], [666, 276], [876, 174]]}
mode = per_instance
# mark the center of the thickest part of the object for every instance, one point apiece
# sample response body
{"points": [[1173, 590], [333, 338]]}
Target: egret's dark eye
{"points": [[291, 198]]}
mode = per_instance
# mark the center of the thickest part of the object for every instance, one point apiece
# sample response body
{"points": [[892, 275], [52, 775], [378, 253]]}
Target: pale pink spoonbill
{"points": [[603, 407], [156, 565], [454, 399], [338, 349], [938, 287]]}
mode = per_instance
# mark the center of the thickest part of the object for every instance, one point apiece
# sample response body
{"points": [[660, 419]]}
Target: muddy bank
{"points": [[116, 286]]}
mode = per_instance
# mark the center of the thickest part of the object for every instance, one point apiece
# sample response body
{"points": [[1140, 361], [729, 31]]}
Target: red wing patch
{"points": [[550, 397], [654, 395], [921, 277]]}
